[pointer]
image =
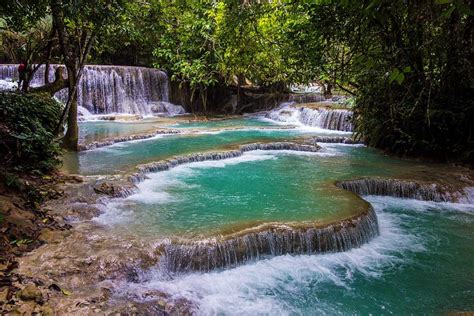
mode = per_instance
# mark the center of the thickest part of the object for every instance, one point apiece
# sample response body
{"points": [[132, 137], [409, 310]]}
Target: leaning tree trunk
{"points": [[75, 52], [53, 87], [71, 138]]}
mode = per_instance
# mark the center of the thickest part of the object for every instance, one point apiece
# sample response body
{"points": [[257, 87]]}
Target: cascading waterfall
{"points": [[401, 189], [328, 119], [274, 240], [179, 160], [332, 119], [306, 98], [114, 89], [334, 140], [94, 145], [265, 240]]}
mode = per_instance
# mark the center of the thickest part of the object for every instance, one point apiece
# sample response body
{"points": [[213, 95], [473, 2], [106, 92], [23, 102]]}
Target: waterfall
{"points": [[401, 189], [113, 89], [306, 97], [332, 119], [179, 160], [263, 241], [334, 140], [273, 240]]}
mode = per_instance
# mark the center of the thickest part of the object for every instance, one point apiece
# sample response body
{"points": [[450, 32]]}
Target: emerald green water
{"points": [[90, 131], [422, 262], [227, 123], [205, 198], [208, 197], [123, 156]]}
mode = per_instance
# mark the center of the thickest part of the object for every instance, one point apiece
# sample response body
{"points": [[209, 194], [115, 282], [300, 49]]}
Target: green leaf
{"points": [[448, 12], [394, 75], [400, 78], [66, 292], [407, 69], [443, 1]]}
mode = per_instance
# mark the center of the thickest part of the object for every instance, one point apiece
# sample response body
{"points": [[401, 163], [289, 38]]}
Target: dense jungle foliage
{"points": [[27, 123], [409, 65]]}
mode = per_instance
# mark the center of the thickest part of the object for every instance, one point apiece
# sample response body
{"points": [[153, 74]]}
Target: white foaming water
{"points": [[83, 112], [117, 148], [258, 288], [301, 128], [469, 196], [8, 85], [152, 189], [166, 108], [111, 89], [336, 145], [312, 120], [444, 208], [155, 189]]}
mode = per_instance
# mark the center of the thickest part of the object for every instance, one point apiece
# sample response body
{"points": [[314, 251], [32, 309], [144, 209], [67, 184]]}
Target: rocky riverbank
{"points": [[25, 226]]}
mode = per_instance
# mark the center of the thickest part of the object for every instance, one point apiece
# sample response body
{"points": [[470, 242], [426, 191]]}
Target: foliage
{"points": [[77, 26], [225, 41], [27, 122], [130, 40], [408, 65], [20, 15], [12, 181]]}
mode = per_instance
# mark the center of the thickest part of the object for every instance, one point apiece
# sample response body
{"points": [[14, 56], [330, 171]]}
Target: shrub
{"points": [[27, 122]]}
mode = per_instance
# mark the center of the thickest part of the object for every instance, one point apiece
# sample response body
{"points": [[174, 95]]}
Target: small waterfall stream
{"points": [[113, 89], [322, 117], [272, 241], [262, 241], [401, 189]]}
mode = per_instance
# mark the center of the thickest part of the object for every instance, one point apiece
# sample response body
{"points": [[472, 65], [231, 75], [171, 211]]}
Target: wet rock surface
{"points": [[24, 226], [114, 189]]}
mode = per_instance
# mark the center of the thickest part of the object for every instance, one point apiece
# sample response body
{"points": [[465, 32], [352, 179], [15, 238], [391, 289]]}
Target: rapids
{"points": [[262, 215], [320, 116]]}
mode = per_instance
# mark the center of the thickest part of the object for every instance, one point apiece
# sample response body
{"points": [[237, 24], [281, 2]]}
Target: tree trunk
{"points": [[53, 87], [71, 138], [327, 87], [75, 55]]}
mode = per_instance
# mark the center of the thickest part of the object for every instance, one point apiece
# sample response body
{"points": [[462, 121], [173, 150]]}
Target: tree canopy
{"points": [[409, 65]]}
